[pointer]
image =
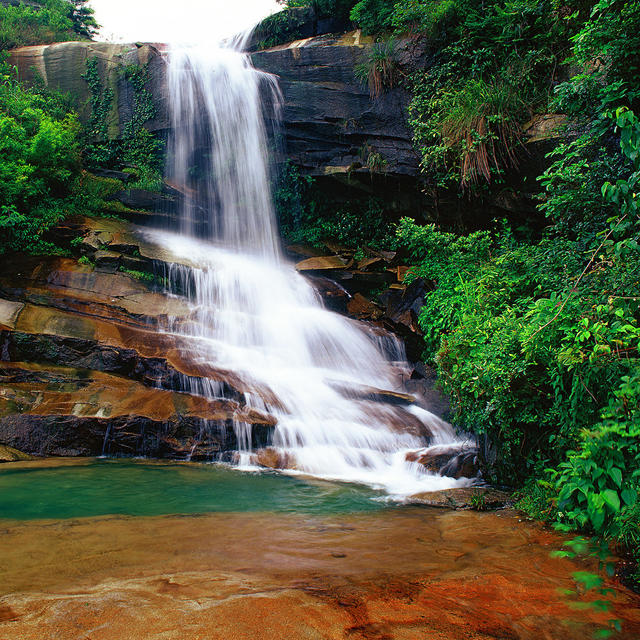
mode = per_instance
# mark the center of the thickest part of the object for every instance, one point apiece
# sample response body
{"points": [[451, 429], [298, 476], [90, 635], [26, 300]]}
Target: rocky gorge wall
{"points": [[330, 123], [354, 145]]}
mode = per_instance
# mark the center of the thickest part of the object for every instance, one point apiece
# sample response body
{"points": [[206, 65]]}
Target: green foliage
{"points": [[81, 15], [140, 147], [137, 147], [373, 16], [291, 23], [531, 340], [337, 9], [572, 200], [292, 199], [493, 65], [92, 194], [537, 498], [306, 219], [598, 484], [472, 131], [143, 276], [478, 502], [372, 159], [606, 47], [279, 28], [97, 149], [432, 19], [39, 162], [53, 21]]}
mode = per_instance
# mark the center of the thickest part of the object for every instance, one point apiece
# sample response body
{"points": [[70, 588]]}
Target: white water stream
{"points": [[254, 315]]}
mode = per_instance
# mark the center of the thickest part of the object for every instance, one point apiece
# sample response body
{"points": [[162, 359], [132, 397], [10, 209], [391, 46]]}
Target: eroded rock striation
{"points": [[331, 124], [86, 367]]}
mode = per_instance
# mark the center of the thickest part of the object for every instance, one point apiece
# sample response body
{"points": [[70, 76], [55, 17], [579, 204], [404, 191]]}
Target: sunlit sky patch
{"points": [[177, 20]]}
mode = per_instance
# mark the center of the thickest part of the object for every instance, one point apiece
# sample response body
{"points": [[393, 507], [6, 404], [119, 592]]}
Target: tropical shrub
{"points": [[306, 217], [52, 21], [39, 162], [380, 69], [373, 16]]}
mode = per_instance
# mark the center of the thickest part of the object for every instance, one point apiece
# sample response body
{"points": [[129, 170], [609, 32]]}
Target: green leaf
{"points": [[616, 475], [612, 499], [601, 605], [587, 580]]}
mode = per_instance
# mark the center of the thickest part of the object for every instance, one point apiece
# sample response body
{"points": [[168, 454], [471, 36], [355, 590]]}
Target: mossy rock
{"points": [[9, 454], [477, 498]]}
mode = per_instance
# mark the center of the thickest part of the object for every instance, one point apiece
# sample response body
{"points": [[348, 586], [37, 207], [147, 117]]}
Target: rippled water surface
{"points": [[89, 488]]}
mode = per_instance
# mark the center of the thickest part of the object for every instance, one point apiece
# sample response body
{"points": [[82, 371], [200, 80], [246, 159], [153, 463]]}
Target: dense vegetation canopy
{"points": [[44, 21]]}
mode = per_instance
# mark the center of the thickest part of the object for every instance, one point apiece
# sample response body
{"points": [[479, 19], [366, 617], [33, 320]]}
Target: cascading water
{"points": [[318, 373]]}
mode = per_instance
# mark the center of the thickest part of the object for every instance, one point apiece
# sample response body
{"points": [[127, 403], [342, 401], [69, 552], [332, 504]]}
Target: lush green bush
{"points": [[538, 343], [337, 9], [307, 218], [39, 162], [495, 65], [472, 132], [431, 19], [373, 16], [54, 21], [380, 70]]}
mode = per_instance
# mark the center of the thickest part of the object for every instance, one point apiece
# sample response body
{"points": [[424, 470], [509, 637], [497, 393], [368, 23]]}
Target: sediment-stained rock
{"points": [[9, 454], [87, 366], [478, 498]]}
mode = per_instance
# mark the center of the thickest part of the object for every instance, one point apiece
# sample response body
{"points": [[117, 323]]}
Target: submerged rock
{"points": [[272, 458], [478, 498], [447, 460]]}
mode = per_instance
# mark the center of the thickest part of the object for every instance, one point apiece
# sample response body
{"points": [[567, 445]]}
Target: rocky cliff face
{"points": [[85, 367], [63, 67], [331, 125], [91, 363]]}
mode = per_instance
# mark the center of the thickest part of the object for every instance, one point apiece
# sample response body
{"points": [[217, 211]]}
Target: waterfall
{"points": [[320, 374]]}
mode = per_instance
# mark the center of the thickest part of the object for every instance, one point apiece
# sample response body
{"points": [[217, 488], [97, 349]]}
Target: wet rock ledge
{"points": [[85, 368], [89, 365]]}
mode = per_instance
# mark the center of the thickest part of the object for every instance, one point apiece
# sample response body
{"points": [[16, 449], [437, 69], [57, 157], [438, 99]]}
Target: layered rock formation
{"points": [[85, 367], [88, 365], [331, 125]]}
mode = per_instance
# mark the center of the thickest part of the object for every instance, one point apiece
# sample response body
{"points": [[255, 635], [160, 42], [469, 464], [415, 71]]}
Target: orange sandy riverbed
{"points": [[402, 574]]}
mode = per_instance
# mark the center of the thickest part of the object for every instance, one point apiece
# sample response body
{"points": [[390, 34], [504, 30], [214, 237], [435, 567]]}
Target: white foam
{"points": [[254, 315]]}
